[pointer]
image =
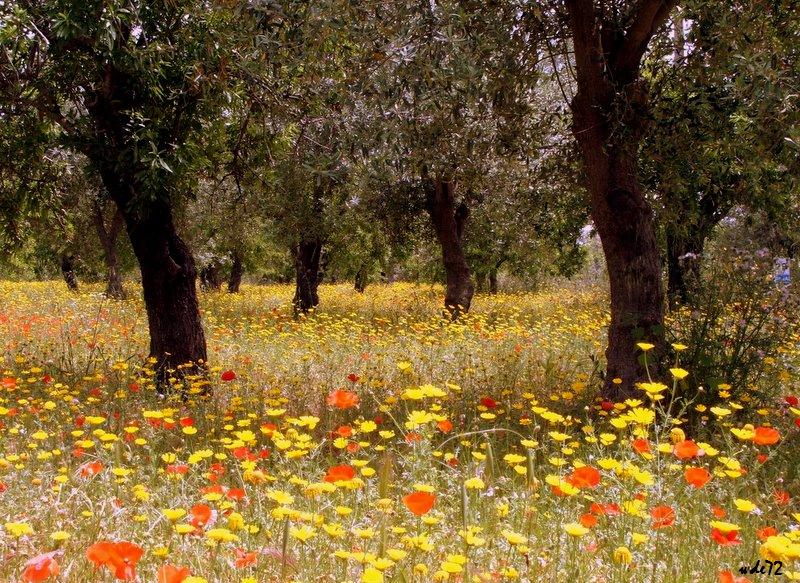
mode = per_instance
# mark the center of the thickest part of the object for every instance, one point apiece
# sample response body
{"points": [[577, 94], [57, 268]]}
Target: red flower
{"points": [[352, 377], [342, 399], [663, 516], [120, 557], [781, 497], [718, 512], [588, 520], [445, 426], [235, 494], [726, 539], [697, 477], [606, 405], [728, 577], [791, 400], [641, 445], [172, 574], [40, 568], [419, 503], [201, 514], [686, 449], [766, 532], [488, 402], [90, 469], [244, 558], [766, 436], [340, 474], [584, 477], [228, 376]]}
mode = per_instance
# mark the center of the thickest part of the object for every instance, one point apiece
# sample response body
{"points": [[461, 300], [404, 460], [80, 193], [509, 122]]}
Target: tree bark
{"points": [[210, 279], [307, 256], [493, 281], [108, 239], [237, 271], [684, 256], [361, 280], [609, 113], [68, 271], [449, 222]]}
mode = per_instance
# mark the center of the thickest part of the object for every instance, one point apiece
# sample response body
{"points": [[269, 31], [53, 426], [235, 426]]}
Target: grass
{"points": [[492, 419]]}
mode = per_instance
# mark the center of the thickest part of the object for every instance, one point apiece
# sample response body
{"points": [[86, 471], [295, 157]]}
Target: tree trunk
{"points": [[609, 113], [210, 279], [493, 281], [307, 256], [449, 222], [361, 280], [108, 240], [68, 271], [237, 271], [683, 267]]}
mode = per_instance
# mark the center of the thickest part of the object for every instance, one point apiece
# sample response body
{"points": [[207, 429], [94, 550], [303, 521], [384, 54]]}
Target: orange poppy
{"points": [[766, 532], [663, 516], [172, 574], [340, 474], [201, 515], [781, 497], [40, 568], [718, 512], [686, 449], [588, 520], [120, 557], [766, 436], [419, 503], [641, 445], [445, 426], [729, 577], [90, 469], [235, 494], [244, 558], [725, 539], [697, 477], [342, 399], [584, 477]]}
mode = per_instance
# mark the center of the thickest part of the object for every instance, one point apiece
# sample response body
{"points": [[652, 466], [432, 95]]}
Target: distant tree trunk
{"points": [[210, 279], [361, 279], [609, 111], [68, 271], [684, 255], [449, 222], [108, 239], [237, 271], [306, 256], [493, 281]]}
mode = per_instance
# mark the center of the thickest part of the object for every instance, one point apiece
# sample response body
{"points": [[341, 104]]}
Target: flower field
{"points": [[375, 441]]}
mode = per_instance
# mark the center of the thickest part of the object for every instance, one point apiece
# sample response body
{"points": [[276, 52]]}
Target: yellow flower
{"points": [[18, 529], [645, 346], [679, 373], [474, 484], [221, 535], [744, 505], [622, 555], [575, 529], [371, 575], [303, 533]]}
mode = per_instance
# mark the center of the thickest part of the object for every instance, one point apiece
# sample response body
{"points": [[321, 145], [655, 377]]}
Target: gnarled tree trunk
{"points": [[108, 239], [210, 279], [449, 222], [237, 271], [609, 112], [68, 271], [306, 256]]}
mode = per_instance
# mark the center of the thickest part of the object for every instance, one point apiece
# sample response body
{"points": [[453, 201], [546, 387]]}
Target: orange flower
{"points": [[641, 445], [90, 469], [686, 449], [663, 516], [244, 558], [343, 399], [40, 568], [718, 512], [419, 503], [781, 497], [588, 520], [172, 574], [340, 474], [445, 426], [584, 477], [697, 477], [728, 577], [766, 532], [726, 539], [120, 557], [201, 514], [766, 436]]}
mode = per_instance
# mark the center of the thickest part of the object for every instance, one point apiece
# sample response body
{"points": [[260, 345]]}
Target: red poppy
{"points": [[641, 445], [244, 558], [791, 400], [663, 516], [686, 449], [762, 458], [728, 577], [606, 405], [419, 503], [340, 474], [228, 376], [445, 426], [201, 514], [413, 437], [488, 402], [588, 520], [584, 477], [728, 539], [766, 436], [352, 377], [697, 477], [342, 399], [718, 512], [120, 557], [766, 532], [40, 568], [344, 431], [179, 469], [781, 497], [90, 469], [172, 574]]}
